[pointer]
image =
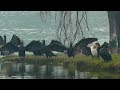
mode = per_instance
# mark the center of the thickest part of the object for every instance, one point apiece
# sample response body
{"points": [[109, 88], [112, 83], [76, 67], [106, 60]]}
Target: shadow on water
{"points": [[14, 70]]}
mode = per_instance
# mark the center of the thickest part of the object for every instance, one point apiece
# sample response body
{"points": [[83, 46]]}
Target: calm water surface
{"points": [[14, 70]]}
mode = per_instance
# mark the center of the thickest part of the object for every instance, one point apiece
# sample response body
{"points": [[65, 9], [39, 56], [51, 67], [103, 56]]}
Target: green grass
{"points": [[80, 62], [105, 75]]}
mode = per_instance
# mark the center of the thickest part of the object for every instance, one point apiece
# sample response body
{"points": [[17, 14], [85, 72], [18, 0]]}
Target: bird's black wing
{"points": [[15, 40], [85, 41], [55, 41], [57, 47], [83, 49], [9, 47], [32, 46], [105, 54], [87, 51]]}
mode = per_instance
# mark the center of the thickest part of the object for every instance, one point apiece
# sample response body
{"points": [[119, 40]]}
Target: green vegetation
{"points": [[105, 75], [83, 63]]}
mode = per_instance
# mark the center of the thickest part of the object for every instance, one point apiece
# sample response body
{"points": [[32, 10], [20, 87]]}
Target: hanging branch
{"points": [[66, 24], [43, 15], [70, 40], [86, 21], [78, 25], [60, 23], [67, 31]]}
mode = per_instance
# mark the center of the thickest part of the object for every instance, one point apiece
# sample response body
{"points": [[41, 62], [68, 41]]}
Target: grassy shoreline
{"points": [[83, 63]]}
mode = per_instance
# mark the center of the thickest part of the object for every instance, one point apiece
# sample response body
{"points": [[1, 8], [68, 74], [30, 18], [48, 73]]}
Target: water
{"points": [[34, 71], [28, 26], [14, 70]]}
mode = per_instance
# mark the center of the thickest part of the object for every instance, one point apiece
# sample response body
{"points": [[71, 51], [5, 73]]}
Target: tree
{"points": [[70, 25], [114, 23], [69, 29]]}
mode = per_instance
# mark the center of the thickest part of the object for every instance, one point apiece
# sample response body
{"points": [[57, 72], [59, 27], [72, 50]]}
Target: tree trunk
{"points": [[113, 29], [117, 19]]}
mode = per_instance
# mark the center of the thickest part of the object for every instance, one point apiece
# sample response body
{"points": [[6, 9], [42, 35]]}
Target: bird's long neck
{"points": [[44, 43], [70, 45], [5, 39]]}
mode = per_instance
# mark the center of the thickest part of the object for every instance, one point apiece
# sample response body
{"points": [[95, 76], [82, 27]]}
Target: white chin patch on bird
{"points": [[94, 50]]}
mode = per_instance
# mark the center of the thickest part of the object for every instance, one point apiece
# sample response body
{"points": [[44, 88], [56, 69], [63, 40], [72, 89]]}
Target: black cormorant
{"points": [[104, 52], [70, 51]]}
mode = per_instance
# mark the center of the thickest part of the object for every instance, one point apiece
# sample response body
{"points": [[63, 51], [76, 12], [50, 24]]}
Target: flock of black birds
{"points": [[40, 48]]}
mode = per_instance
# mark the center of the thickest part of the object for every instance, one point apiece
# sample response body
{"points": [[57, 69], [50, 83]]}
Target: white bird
{"points": [[94, 49]]}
